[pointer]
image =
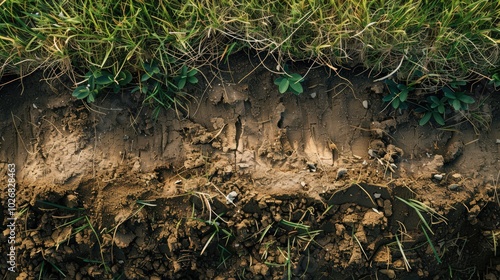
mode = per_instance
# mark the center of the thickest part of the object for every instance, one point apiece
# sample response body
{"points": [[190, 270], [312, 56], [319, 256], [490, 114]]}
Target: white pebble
{"points": [[365, 104]]}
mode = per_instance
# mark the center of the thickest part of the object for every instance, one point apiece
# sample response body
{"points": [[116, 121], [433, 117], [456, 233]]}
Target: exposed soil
{"points": [[105, 191]]}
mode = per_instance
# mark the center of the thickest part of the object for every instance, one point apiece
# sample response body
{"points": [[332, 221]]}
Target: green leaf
{"points": [[393, 87], [137, 88], [441, 109], [457, 84], [145, 77], [466, 99], [395, 103], [438, 118], [294, 77], [81, 92], [434, 99], [457, 105], [449, 93], [296, 87], [91, 98], [103, 78], [283, 86], [192, 80], [124, 77], [192, 72], [278, 81], [388, 98], [403, 95], [183, 71], [425, 119], [181, 83]]}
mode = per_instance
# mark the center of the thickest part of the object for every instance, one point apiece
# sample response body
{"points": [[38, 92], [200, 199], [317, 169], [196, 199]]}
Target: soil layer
{"points": [[248, 183]]}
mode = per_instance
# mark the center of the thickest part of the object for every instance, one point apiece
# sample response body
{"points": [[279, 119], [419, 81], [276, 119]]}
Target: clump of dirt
{"points": [[249, 184]]}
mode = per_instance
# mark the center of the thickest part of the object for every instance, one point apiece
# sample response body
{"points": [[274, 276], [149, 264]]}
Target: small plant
{"points": [[161, 90], [290, 82], [98, 80], [435, 110], [398, 94], [458, 100], [495, 80], [421, 208], [186, 76]]}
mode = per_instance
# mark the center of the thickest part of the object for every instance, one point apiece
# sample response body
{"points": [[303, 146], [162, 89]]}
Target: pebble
{"points": [[438, 177], [372, 153], [498, 141], [231, 197], [453, 187], [341, 173], [365, 104]]}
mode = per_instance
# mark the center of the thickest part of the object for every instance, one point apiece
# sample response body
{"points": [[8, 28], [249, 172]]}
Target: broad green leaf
{"points": [[434, 99], [278, 81], [81, 92], [395, 103], [90, 98], [181, 83], [145, 77], [124, 77], [103, 78], [387, 98], [294, 77], [193, 80], [296, 87], [438, 118], [425, 119], [441, 109], [466, 99], [192, 72], [449, 93], [283, 86], [456, 84], [457, 105], [183, 71], [403, 95]]}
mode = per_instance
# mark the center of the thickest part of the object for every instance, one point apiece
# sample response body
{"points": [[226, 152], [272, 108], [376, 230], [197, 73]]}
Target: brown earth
{"points": [[105, 192]]}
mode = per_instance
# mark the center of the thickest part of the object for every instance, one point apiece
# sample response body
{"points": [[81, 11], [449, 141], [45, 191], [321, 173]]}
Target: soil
{"points": [[248, 183]]}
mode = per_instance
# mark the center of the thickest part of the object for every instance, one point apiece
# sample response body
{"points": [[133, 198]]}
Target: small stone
{"points": [[498, 141], [231, 197], [341, 173], [365, 104], [377, 195], [372, 153], [303, 184], [243, 165], [453, 187], [389, 273], [457, 176], [311, 167], [438, 177], [313, 94]]}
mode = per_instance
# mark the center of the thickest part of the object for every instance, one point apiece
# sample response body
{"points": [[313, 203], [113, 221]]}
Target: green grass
{"points": [[432, 41]]}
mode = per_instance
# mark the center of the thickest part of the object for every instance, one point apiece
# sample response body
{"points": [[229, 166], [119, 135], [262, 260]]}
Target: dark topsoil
{"points": [[106, 192]]}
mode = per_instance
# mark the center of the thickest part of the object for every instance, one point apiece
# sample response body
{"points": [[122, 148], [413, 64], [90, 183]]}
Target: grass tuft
{"points": [[428, 42]]}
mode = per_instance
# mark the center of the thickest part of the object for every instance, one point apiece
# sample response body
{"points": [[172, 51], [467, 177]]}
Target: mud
{"points": [[318, 183]]}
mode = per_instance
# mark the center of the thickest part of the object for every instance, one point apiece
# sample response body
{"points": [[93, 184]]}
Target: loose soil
{"points": [[314, 182]]}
